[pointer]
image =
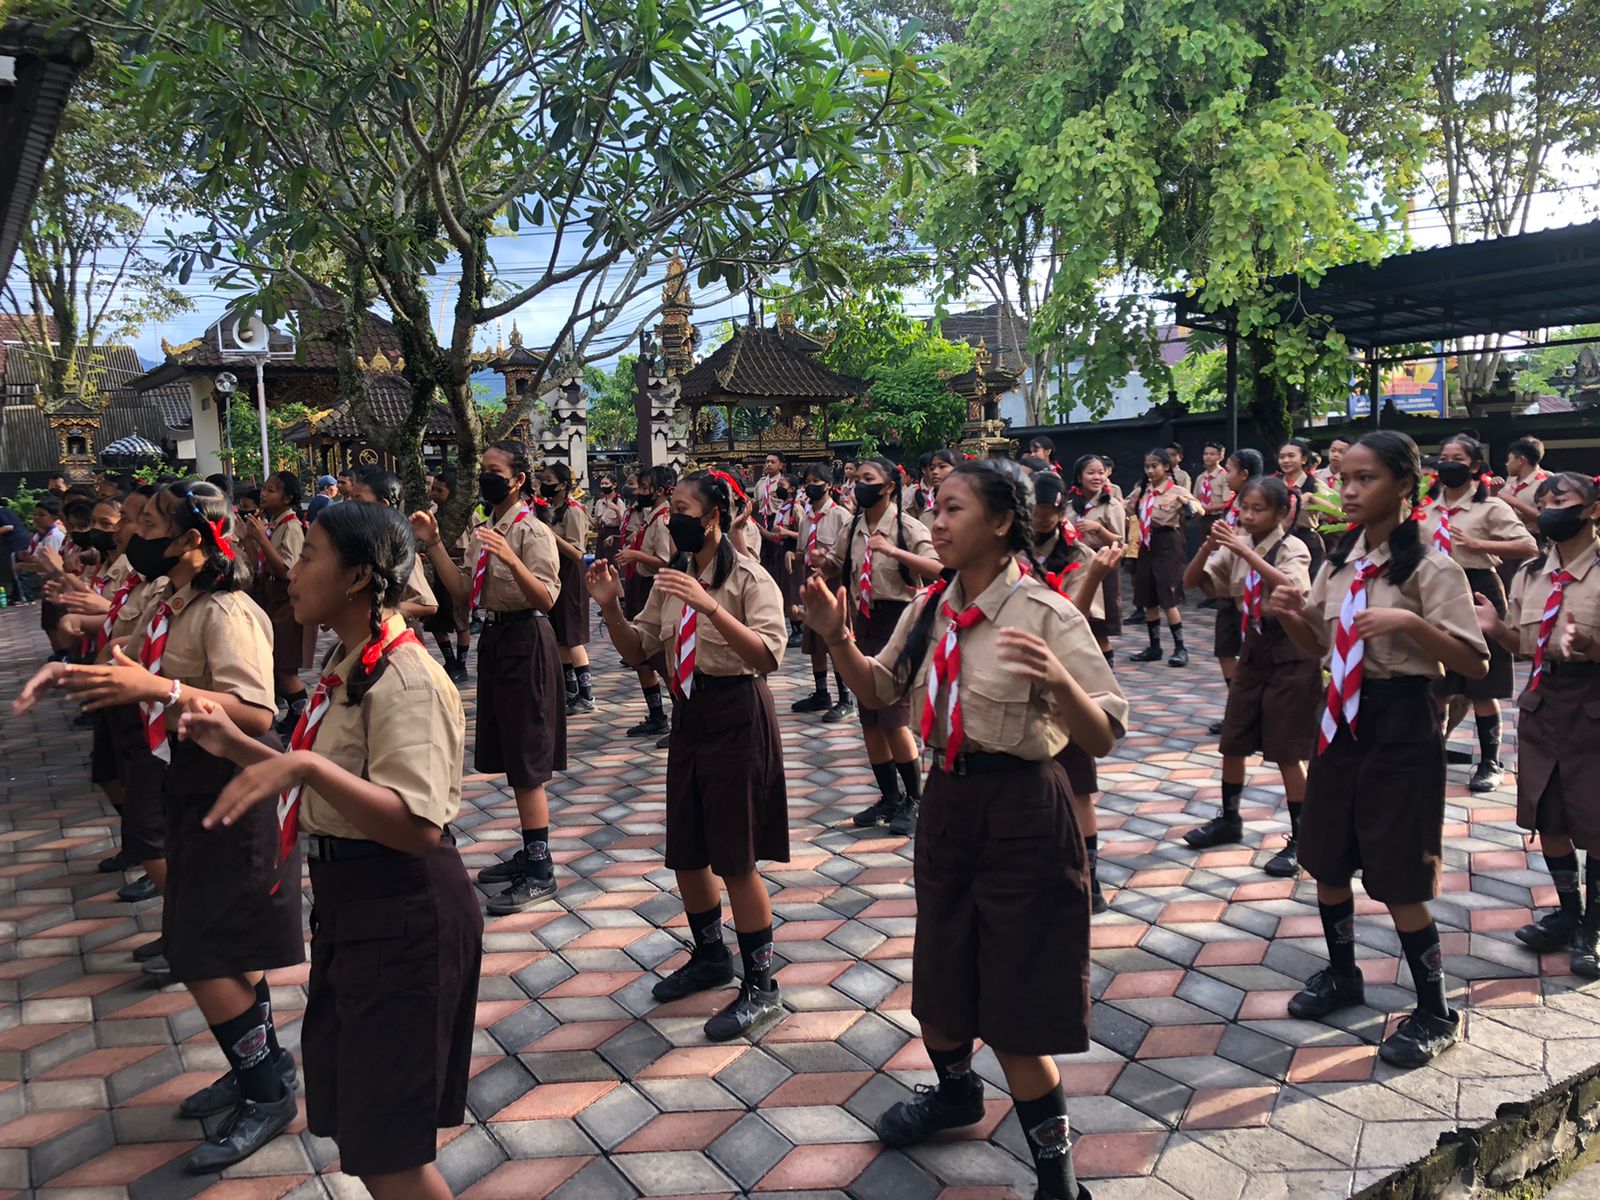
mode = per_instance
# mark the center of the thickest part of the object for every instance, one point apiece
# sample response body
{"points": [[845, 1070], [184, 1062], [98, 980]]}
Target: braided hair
{"points": [[1249, 461], [204, 508], [714, 493], [1398, 455], [377, 536], [891, 489]]}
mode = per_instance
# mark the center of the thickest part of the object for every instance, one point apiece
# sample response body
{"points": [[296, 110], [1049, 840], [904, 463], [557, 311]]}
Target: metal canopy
{"points": [[1504, 285]]}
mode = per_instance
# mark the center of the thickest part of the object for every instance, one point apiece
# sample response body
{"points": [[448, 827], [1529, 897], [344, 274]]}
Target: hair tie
{"points": [[935, 589], [222, 542], [731, 483]]}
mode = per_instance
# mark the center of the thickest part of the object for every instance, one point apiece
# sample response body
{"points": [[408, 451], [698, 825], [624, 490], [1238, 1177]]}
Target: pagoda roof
{"points": [[760, 367], [391, 405]]}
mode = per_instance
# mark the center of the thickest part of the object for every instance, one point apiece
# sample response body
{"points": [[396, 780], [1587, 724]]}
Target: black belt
{"points": [[982, 762], [1398, 685], [719, 683], [1576, 668], [322, 847], [494, 617]]}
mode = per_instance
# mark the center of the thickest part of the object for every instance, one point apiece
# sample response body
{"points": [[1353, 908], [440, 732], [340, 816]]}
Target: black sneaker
{"points": [[752, 1014], [475, 626], [120, 861], [580, 704], [903, 820], [878, 814], [1585, 959], [1148, 654], [155, 948], [158, 968], [651, 726], [929, 1111], [816, 702], [524, 893], [222, 1095], [663, 741], [142, 888], [1214, 728], [1327, 992], [1487, 776], [1222, 830], [506, 869], [250, 1126], [696, 975], [1285, 864], [1180, 658], [1420, 1039], [840, 711], [1553, 931], [795, 635], [460, 674], [1097, 901]]}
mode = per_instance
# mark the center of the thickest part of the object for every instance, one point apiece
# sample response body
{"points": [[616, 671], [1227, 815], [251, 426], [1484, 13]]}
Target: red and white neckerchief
{"points": [[1441, 534], [154, 711], [1205, 488], [480, 573], [1523, 484], [864, 580], [683, 654], [1232, 515], [305, 736], [631, 569], [1559, 578], [925, 498], [946, 679], [39, 539], [814, 516], [1345, 671], [1147, 508], [1250, 603], [118, 599]]}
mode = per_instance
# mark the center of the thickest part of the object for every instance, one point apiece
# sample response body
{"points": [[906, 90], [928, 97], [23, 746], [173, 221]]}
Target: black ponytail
{"points": [[1398, 455], [204, 507], [377, 536]]}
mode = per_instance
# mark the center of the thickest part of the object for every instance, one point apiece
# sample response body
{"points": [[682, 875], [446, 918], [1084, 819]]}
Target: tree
{"points": [[1548, 371], [612, 419], [82, 257], [403, 137], [244, 431]]}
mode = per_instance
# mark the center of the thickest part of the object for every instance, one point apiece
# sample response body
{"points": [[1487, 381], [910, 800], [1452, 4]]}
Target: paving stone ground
{"points": [[1198, 1084]]}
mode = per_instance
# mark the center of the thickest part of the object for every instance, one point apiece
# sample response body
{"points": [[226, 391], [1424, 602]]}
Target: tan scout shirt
{"points": [[1053, 556], [531, 541], [571, 524], [1437, 591], [831, 520], [216, 641], [1168, 509], [1305, 517], [288, 538], [1489, 520], [748, 593], [886, 581], [418, 590], [1002, 711], [657, 541], [1221, 493], [1524, 490], [1580, 599], [1104, 520], [1225, 570], [407, 735]]}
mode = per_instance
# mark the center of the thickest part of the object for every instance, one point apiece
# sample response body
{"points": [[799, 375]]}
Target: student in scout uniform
{"points": [[272, 547], [882, 560], [451, 622], [1478, 531], [1101, 521], [372, 778], [1005, 673], [232, 909], [1294, 466], [48, 534], [1389, 615], [1554, 619], [417, 600], [784, 533], [569, 521], [521, 728], [1226, 637], [824, 523], [1159, 504], [1275, 690], [646, 549], [1523, 477], [1328, 477], [1212, 491], [718, 618], [939, 464]]}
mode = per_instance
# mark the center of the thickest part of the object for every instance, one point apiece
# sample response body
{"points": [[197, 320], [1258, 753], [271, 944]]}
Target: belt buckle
{"points": [[961, 764], [314, 848]]}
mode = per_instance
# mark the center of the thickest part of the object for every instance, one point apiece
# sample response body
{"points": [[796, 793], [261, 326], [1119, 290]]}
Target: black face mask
{"points": [[80, 538], [816, 491], [149, 558], [1562, 524], [868, 494], [1040, 538], [103, 540], [493, 488], [1454, 474], [643, 502], [606, 491], [549, 490], [781, 493], [687, 533]]}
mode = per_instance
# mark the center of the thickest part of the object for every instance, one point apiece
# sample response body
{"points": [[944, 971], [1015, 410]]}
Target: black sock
{"points": [[954, 1069], [820, 678], [1591, 898], [888, 784], [1177, 635], [264, 1007], [1044, 1122], [1091, 847], [245, 1043], [1564, 874], [585, 683], [755, 953], [1110, 657], [448, 649], [1230, 798], [844, 692], [1339, 928], [1426, 960], [705, 931], [1489, 738], [536, 844], [569, 677], [1154, 629], [910, 778], [297, 702], [652, 700], [1294, 821]]}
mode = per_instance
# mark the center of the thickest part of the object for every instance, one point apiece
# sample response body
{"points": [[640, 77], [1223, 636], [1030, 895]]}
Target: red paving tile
{"points": [[98, 1064], [1504, 993], [807, 1090], [819, 1167], [1232, 953], [1229, 1108], [1109, 1155], [39, 1127], [550, 1101], [116, 1168], [690, 1062], [1180, 1041], [1143, 985], [680, 1131], [266, 1187], [814, 1026], [1332, 1064]]}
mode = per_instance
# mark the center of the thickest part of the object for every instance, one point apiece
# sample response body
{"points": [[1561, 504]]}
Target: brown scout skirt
{"points": [[1158, 571], [143, 776], [222, 916], [1558, 754], [1376, 805], [521, 730], [104, 766], [1275, 700], [1082, 774], [1002, 934], [396, 947], [1226, 640], [569, 619], [1498, 683], [872, 635], [635, 591], [727, 804], [1109, 626]]}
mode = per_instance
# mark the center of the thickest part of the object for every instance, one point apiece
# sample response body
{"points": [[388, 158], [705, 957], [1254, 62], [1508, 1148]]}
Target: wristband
{"points": [[172, 696]]}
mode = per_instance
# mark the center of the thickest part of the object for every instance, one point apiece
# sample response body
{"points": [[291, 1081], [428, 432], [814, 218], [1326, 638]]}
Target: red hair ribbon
{"points": [[935, 589], [1597, 481], [540, 502], [222, 542], [968, 457], [1058, 579], [1069, 534], [733, 484]]}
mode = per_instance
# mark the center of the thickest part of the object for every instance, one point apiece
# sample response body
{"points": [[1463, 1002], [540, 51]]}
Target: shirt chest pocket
{"points": [[183, 661], [994, 709]]}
